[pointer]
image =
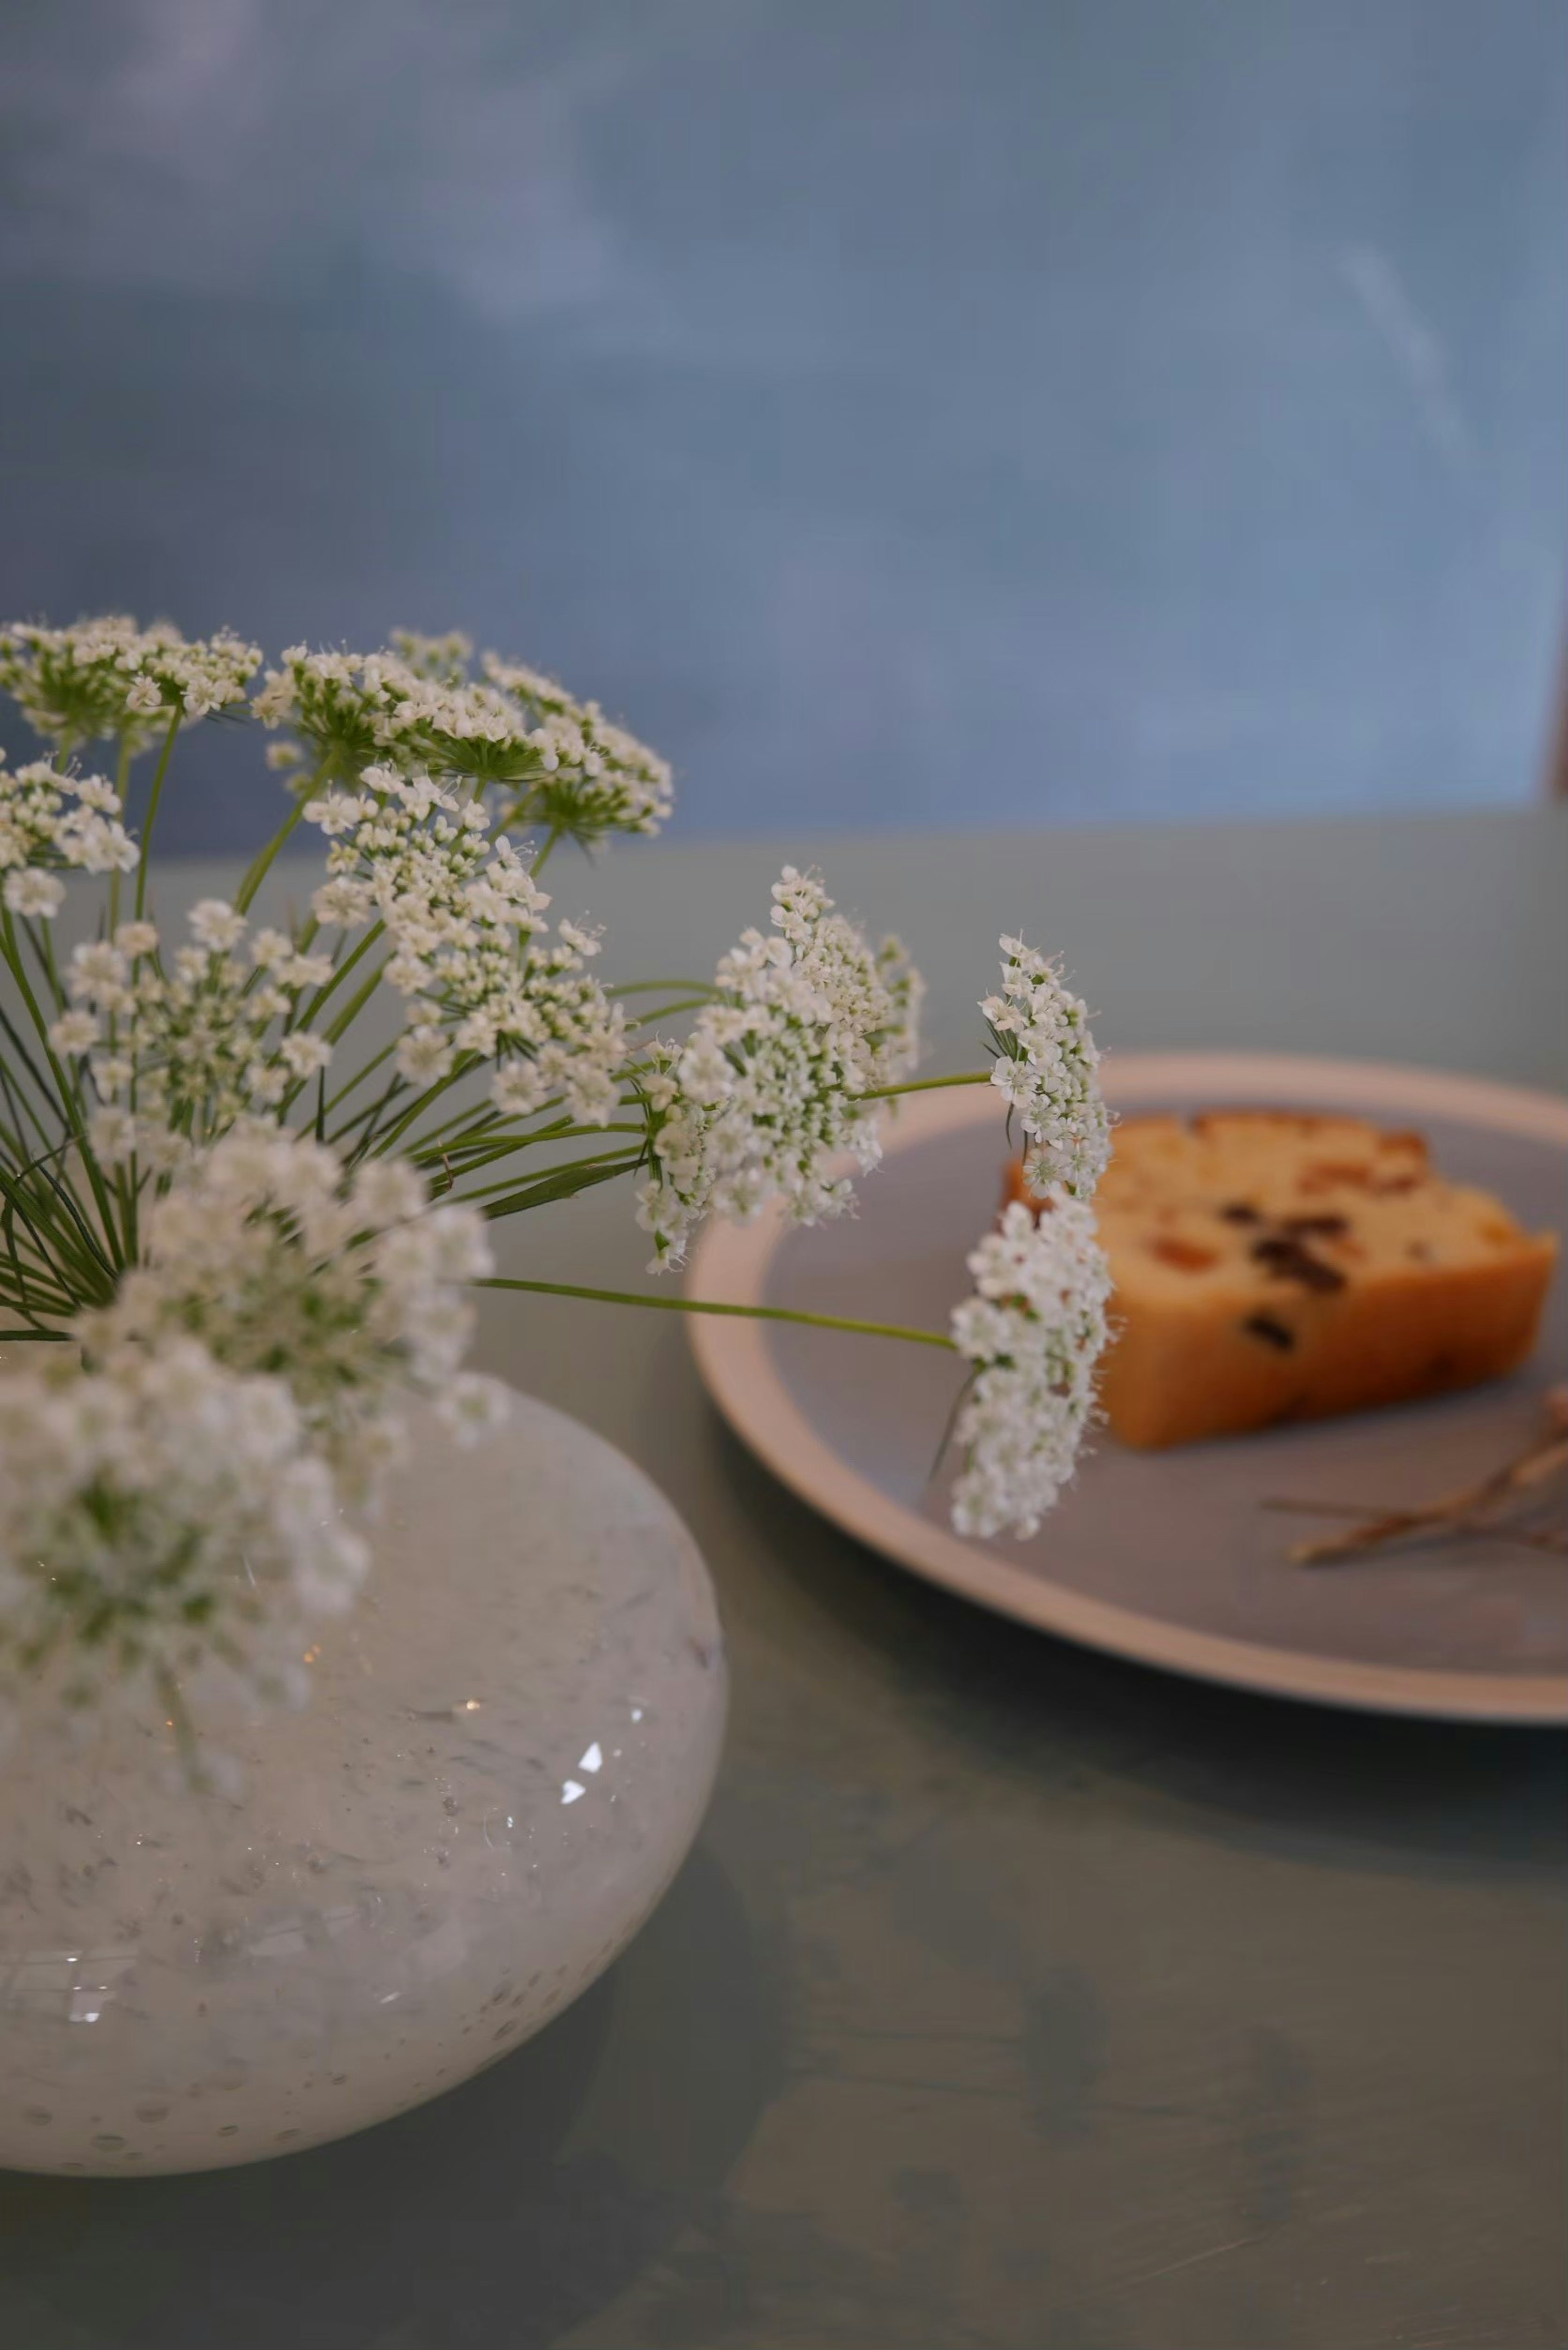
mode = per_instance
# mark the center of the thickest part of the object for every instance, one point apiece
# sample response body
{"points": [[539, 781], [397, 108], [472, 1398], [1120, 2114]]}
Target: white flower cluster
{"points": [[1034, 1331], [554, 760], [174, 1507], [49, 821], [180, 1050], [764, 1092], [473, 955], [596, 778], [1047, 1069], [352, 1291], [164, 1523], [108, 677]]}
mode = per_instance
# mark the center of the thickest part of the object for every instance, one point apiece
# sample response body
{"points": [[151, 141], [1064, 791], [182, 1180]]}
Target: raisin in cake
{"points": [[1271, 1265]]}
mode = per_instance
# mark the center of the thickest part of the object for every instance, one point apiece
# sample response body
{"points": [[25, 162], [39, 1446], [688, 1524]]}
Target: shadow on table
{"points": [[495, 2216], [1416, 1796]]}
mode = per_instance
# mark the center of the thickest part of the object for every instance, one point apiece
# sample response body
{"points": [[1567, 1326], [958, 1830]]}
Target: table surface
{"points": [[1013, 1996]]}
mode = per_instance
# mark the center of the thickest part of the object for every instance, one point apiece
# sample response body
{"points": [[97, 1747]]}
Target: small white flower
{"points": [[425, 1054], [137, 938], [73, 1032], [474, 1406], [305, 970], [215, 925], [112, 1134], [344, 901], [517, 1088], [388, 1191], [269, 948], [704, 1072], [264, 1084], [31, 892], [304, 1054]]}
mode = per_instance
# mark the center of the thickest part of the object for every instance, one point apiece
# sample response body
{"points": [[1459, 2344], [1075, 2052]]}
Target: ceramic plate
{"points": [[1169, 1557]]}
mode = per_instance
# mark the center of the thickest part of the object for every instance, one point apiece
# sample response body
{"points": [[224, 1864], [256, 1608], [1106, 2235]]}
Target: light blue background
{"points": [[931, 410]]}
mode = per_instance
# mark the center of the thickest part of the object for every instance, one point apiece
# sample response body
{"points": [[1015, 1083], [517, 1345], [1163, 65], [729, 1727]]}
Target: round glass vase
{"points": [[507, 1750]]}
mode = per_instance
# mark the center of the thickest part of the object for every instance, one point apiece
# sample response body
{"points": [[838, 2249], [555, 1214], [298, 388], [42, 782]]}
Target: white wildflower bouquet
{"points": [[232, 1247]]}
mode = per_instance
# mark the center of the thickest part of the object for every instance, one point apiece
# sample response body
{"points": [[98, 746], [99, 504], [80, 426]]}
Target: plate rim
{"points": [[730, 1264]]}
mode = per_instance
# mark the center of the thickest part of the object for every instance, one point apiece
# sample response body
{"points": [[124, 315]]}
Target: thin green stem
{"points": [[555, 834], [557, 1183], [121, 786], [64, 1091], [925, 1085], [40, 938], [306, 1018], [663, 987], [367, 1068], [713, 1306], [261, 865], [472, 1157], [151, 817], [672, 1010], [355, 1004], [422, 1102]]}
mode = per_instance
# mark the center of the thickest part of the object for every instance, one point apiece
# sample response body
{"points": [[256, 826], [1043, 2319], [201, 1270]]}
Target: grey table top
{"points": [[1013, 1996]]}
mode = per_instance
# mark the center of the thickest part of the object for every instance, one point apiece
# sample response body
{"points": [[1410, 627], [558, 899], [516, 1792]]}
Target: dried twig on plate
{"points": [[1469, 1510]]}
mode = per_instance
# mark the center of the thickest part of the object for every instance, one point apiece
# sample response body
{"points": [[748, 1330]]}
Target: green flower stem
{"points": [[925, 1085], [475, 1126], [355, 1005], [713, 1306], [64, 1091], [371, 1112], [466, 1063], [122, 785], [701, 987], [672, 1010], [366, 1069], [48, 1134], [484, 1153], [151, 817], [40, 936], [557, 1182], [306, 1018], [262, 863], [555, 834]]}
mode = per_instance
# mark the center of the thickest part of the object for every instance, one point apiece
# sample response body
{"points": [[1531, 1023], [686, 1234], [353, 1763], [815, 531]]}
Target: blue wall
{"points": [[924, 411]]}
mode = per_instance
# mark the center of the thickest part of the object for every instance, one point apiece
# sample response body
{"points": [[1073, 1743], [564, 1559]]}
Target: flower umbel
{"points": [[109, 678], [173, 1501], [52, 823], [1034, 1330], [1047, 1069], [351, 1291], [765, 1091], [164, 1523], [552, 760]]}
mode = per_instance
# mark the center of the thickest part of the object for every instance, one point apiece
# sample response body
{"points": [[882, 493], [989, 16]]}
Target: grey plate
{"points": [[1169, 1557]]}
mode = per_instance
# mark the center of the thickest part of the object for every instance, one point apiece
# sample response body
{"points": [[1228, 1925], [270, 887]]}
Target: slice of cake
{"points": [[1274, 1266]]}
